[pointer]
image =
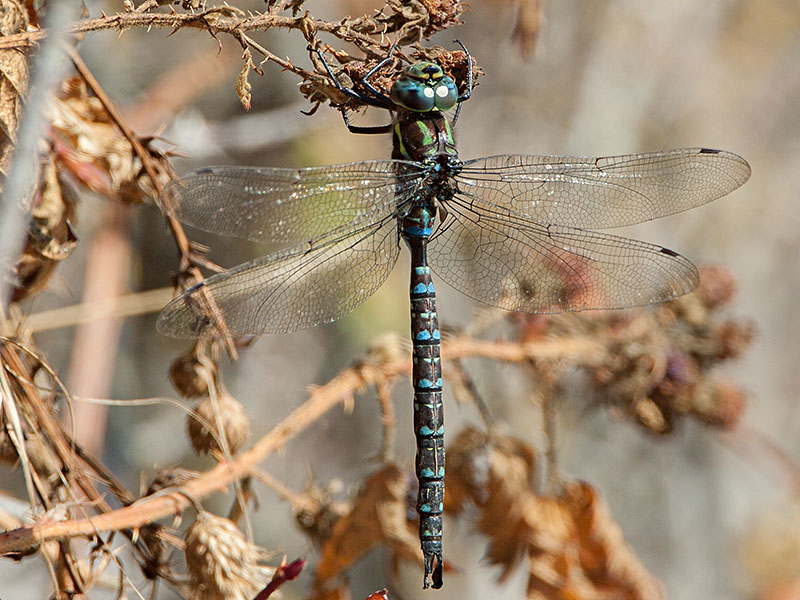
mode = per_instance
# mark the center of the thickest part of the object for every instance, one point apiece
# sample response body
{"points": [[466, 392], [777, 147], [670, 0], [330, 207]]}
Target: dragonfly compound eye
{"points": [[413, 95], [446, 94]]}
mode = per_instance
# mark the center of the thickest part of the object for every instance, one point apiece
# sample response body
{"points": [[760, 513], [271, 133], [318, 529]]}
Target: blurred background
{"points": [[711, 515]]}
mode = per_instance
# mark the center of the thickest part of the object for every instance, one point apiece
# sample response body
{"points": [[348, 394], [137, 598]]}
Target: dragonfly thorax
{"points": [[423, 138]]}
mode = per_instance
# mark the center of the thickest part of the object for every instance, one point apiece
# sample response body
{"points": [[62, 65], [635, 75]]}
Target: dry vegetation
{"points": [[653, 366]]}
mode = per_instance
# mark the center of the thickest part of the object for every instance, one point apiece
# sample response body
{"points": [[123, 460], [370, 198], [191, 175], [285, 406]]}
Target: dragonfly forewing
{"points": [[287, 206], [606, 192]]}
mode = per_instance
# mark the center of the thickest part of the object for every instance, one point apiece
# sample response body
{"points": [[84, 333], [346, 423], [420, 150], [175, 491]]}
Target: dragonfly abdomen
{"points": [[427, 382]]}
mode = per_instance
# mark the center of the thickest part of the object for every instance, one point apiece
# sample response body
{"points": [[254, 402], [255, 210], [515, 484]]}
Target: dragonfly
{"points": [[513, 231]]}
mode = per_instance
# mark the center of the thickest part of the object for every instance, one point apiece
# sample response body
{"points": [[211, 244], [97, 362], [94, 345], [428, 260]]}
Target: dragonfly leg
{"points": [[365, 80], [368, 130], [468, 92], [380, 100]]}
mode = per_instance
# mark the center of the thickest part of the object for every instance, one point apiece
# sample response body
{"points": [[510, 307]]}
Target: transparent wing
{"points": [[289, 290], [607, 192], [286, 205], [517, 263]]}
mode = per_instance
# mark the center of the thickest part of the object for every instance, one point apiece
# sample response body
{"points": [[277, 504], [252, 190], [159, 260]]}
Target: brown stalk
{"points": [[214, 20], [340, 389], [187, 262]]}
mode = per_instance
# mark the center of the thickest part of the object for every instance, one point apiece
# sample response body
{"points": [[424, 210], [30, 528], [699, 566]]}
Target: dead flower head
{"points": [[222, 564], [226, 412]]}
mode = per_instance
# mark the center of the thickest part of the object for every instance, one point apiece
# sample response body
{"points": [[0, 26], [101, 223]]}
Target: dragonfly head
{"points": [[423, 87]]}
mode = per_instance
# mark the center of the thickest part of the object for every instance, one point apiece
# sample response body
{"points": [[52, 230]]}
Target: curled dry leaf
{"points": [[494, 474], [378, 516], [50, 234], [243, 86], [93, 149], [577, 550], [81, 119], [573, 546], [13, 79]]}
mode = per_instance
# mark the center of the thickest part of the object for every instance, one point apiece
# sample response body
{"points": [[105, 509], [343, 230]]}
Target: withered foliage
{"points": [[572, 545], [86, 147], [652, 366], [90, 146], [567, 538], [13, 79], [378, 516], [659, 365], [569, 542]]}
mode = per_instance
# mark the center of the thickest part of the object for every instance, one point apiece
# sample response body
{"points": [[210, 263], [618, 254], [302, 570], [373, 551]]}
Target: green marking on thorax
{"points": [[428, 135], [449, 133], [399, 136]]}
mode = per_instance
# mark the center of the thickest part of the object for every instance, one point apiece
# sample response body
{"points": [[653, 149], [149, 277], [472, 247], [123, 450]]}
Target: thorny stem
{"points": [[215, 20], [187, 262], [340, 389], [548, 401], [384, 392], [133, 139]]}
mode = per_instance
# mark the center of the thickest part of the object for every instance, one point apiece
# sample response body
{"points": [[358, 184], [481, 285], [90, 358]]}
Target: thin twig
{"points": [[322, 399], [187, 266], [214, 20]]}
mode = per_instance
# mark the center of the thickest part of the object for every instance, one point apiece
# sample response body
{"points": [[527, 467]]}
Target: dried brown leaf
{"points": [[494, 474], [94, 149], [82, 119], [574, 547], [50, 234], [378, 516], [578, 551], [243, 86], [13, 79]]}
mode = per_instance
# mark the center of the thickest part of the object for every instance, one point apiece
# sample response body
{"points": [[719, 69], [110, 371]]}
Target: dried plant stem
{"points": [[115, 115], [384, 390], [187, 263], [552, 484], [222, 19], [299, 502], [129, 305], [90, 371], [62, 444], [322, 399]]}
